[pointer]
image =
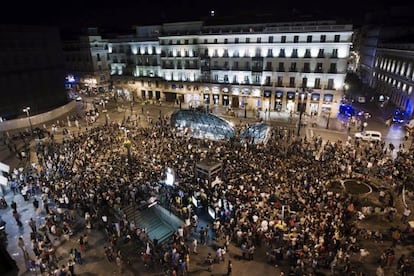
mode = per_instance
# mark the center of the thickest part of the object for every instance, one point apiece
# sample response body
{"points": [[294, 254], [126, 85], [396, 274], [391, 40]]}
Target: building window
{"points": [[270, 39], [304, 82], [309, 38], [281, 67], [282, 53], [267, 81], [226, 53], [226, 78], [236, 40], [258, 52], [283, 39], [306, 67], [318, 68], [225, 41], [236, 65], [332, 68], [292, 67], [321, 53], [215, 77], [269, 66], [292, 82], [215, 41], [259, 40], [330, 84], [296, 39], [323, 38], [205, 41], [269, 52], [317, 83], [294, 53], [279, 81], [337, 38], [236, 53], [98, 57], [334, 53], [307, 53], [247, 65], [246, 80], [247, 39]]}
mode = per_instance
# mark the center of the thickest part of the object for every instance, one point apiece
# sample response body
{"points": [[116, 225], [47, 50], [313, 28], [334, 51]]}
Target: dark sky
{"points": [[82, 13]]}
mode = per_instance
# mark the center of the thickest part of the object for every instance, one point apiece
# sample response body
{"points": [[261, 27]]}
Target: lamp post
{"points": [[27, 110], [302, 97]]}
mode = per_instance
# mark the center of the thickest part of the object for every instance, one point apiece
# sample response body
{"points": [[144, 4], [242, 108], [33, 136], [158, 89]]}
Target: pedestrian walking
{"points": [[229, 267], [194, 244], [16, 216]]}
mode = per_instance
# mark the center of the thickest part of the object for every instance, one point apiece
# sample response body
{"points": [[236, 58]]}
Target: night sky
{"points": [[124, 13]]}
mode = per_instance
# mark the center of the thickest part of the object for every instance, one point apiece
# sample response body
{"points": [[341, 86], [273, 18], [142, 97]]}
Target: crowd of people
{"points": [[275, 195]]}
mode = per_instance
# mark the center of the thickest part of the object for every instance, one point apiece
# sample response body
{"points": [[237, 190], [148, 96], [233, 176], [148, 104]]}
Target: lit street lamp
{"points": [[27, 110]]}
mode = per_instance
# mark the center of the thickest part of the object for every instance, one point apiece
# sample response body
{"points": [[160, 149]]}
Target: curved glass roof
{"points": [[202, 125], [256, 133]]}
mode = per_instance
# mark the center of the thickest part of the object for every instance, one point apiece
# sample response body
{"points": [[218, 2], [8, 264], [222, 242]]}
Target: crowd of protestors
{"points": [[275, 195]]}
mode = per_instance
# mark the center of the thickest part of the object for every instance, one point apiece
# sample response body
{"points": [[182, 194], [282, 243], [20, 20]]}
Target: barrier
{"points": [[22, 123]]}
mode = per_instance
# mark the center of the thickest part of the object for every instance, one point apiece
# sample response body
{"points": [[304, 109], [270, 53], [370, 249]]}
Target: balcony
{"points": [[305, 70], [281, 69], [268, 68], [293, 70], [333, 71]]}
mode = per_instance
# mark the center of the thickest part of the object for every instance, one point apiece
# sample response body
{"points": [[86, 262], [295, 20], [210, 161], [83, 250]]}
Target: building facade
{"points": [[32, 70], [87, 62], [276, 66], [393, 74]]}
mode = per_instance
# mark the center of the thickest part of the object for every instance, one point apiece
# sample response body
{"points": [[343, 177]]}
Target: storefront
{"points": [[314, 104], [267, 95], [225, 100], [215, 99], [278, 100], [290, 102], [170, 96], [207, 99]]}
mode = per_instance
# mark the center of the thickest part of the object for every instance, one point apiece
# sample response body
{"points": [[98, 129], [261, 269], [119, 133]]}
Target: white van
{"points": [[369, 135]]}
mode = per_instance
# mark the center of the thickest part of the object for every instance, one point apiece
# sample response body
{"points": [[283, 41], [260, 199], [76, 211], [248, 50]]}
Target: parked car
{"points": [[369, 135]]}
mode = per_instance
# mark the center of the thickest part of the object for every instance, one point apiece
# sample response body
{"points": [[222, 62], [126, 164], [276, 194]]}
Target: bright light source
{"points": [[212, 13]]}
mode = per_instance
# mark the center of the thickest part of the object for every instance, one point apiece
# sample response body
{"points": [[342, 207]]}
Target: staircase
{"points": [[149, 218]]}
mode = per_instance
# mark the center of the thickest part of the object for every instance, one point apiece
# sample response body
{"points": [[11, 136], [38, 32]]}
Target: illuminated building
{"points": [[261, 66]]}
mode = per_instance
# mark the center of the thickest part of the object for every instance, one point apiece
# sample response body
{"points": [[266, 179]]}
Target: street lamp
{"points": [[27, 110], [302, 97]]}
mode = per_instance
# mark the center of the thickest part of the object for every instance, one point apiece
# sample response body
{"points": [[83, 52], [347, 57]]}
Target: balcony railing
{"points": [[268, 68], [257, 68]]}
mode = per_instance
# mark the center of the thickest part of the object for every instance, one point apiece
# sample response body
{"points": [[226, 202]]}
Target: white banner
{"points": [[4, 167]]}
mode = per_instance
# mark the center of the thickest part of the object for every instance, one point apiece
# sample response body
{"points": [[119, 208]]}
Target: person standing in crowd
{"points": [[194, 244], [22, 246], [32, 225]]}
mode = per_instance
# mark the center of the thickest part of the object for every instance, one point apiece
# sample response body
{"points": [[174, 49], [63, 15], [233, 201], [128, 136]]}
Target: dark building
{"points": [[31, 71]]}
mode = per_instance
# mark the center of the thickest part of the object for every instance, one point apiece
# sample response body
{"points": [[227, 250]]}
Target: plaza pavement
{"points": [[94, 262]]}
